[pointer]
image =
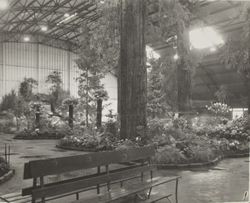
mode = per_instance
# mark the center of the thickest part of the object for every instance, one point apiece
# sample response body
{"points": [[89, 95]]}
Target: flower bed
{"points": [[176, 143], [44, 134]]}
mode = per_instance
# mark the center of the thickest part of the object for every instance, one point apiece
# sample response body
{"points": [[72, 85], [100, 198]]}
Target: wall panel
{"points": [[20, 60]]}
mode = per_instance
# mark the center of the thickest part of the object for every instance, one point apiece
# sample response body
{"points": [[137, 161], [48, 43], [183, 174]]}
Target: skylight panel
{"points": [[206, 37]]}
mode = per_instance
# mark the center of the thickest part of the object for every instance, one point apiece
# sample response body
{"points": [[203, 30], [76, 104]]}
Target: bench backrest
{"points": [[42, 168]]}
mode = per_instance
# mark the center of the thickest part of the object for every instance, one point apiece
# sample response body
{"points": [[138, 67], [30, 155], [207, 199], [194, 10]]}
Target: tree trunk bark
{"points": [[133, 75], [71, 111], [183, 71], [247, 85], [87, 99], [17, 124], [99, 113], [37, 117], [52, 107]]}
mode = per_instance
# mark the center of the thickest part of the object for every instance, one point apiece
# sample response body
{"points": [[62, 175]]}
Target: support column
{"points": [[132, 72]]}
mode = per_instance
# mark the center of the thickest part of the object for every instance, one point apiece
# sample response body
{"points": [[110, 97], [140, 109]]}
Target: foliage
{"points": [[90, 88], [218, 109], [235, 54], [8, 101], [7, 125], [4, 168], [112, 127], [57, 94], [70, 101], [105, 35], [89, 141], [26, 88], [48, 130], [235, 130], [158, 99], [191, 150], [223, 94]]}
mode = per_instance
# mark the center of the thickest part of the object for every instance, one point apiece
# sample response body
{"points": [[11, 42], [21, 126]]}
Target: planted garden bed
{"points": [[37, 134], [176, 144], [5, 172]]}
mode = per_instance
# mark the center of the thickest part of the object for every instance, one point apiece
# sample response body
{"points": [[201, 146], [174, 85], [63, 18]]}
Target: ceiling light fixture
{"points": [[206, 37], [26, 38], [66, 15], [67, 18], [44, 28], [4, 4]]}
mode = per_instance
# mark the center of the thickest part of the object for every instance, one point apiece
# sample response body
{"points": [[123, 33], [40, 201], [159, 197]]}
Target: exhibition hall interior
{"points": [[124, 101]]}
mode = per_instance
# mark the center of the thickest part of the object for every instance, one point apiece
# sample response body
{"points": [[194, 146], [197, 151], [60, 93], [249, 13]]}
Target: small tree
{"points": [[8, 101], [156, 99], [25, 96], [236, 55], [90, 90], [222, 94], [57, 94], [26, 88]]}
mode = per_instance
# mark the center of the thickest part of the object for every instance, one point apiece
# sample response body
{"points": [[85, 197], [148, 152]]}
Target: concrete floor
{"points": [[225, 182]]}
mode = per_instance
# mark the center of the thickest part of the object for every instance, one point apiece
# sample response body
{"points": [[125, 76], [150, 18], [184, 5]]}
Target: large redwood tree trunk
{"points": [[247, 85], [132, 72], [183, 71]]}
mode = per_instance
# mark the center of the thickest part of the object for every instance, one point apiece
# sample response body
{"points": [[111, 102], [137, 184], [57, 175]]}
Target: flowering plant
{"points": [[218, 108]]}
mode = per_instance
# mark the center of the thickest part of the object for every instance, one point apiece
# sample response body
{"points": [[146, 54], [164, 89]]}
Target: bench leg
{"points": [[176, 191], [149, 192]]}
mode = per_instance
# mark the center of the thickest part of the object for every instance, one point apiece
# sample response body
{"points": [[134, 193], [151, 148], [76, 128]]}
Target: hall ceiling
{"points": [[26, 17]]}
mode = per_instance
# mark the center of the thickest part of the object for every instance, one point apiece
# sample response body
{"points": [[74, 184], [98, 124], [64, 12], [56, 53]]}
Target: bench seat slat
{"points": [[28, 191], [60, 188], [133, 189], [40, 168]]}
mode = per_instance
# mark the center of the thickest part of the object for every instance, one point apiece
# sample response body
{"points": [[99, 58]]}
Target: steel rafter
{"points": [[50, 12], [18, 13]]}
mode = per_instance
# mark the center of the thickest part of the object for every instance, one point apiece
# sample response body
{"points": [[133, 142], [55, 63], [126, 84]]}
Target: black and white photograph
{"points": [[124, 101]]}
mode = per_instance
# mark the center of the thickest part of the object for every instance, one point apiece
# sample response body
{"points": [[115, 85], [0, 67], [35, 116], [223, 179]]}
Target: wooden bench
{"points": [[112, 177]]}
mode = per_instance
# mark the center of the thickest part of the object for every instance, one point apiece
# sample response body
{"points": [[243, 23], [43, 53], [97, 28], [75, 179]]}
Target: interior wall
{"points": [[20, 60]]}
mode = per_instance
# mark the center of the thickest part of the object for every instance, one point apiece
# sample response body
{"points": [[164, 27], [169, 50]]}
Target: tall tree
{"points": [[91, 90], [132, 72], [57, 94], [236, 54], [183, 63]]}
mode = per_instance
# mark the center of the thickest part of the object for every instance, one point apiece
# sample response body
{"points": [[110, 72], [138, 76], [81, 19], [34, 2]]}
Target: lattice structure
{"points": [[61, 18]]}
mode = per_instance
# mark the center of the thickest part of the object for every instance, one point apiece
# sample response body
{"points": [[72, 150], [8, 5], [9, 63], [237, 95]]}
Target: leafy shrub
{"points": [[218, 109], [192, 149], [4, 168], [180, 123], [8, 101], [156, 127], [112, 127], [169, 155]]}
